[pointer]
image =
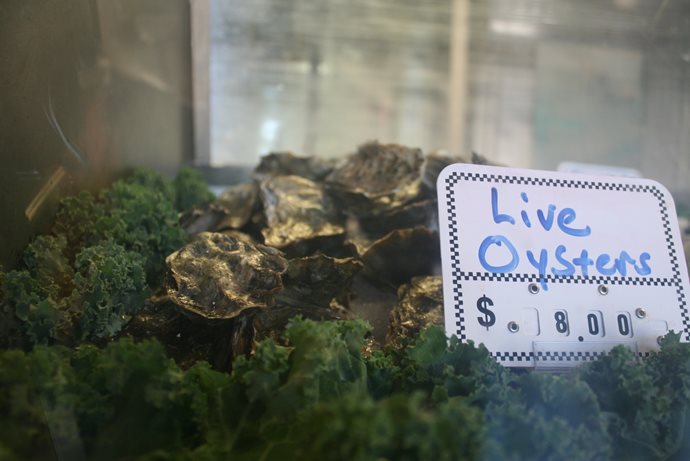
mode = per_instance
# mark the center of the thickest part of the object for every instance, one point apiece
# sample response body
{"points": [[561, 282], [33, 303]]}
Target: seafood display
{"points": [[296, 312]]}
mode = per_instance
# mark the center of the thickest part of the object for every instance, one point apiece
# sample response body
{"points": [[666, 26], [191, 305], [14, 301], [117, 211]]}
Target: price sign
{"points": [[554, 269]]}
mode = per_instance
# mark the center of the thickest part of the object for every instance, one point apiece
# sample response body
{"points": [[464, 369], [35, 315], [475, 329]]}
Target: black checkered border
{"points": [[475, 276], [554, 356], [458, 275], [553, 182]]}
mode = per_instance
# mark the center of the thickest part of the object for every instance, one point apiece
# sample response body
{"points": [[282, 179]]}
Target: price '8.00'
{"points": [[595, 324]]}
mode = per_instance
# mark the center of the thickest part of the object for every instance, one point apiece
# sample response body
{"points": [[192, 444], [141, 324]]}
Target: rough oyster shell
{"points": [[288, 164], [232, 210], [420, 213], [433, 165], [315, 280], [402, 254], [297, 210], [217, 276], [420, 305], [377, 178]]}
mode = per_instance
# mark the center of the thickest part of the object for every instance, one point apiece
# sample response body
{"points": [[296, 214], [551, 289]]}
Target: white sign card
{"points": [[554, 269]]}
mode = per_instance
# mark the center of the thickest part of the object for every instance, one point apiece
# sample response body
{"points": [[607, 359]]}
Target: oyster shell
{"points": [[232, 210], [377, 178], [217, 276], [239, 202], [288, 164], [201, 218], [186, 339], [315, 280], [420, 305], [299, 215], [481, 160], [433, 165], [420, 213], [402, 254]]}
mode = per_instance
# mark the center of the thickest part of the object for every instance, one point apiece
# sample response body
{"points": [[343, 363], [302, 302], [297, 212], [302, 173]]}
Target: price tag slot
{"points": [[536, 260]]}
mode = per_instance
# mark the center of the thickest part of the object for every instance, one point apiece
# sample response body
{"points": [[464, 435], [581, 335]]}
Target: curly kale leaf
{"points": [[322, 397], [110, 286], [149, 224], [134, 393], [46, 258], [34, 306], [36, 404], [542, 416], [83, 220], [190, 189], [400, 427], [152, 180], [646, 402], [120, 402], [462, 369], [132, 213]]}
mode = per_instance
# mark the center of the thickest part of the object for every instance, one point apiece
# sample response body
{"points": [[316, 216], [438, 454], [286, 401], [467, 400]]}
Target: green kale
{"points": [[400, 427], [323, 396], [123, 401], [542, 416], [190, 189], [646, 402], [83, 221], [149, 224], [36, 294], [110, 287], [46, 258], [152, 180], [34, 306], [87, 274]]}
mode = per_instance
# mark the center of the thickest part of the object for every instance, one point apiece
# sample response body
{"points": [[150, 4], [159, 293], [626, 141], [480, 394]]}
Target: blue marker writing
{"points": [[498, 217], [499, 241]]}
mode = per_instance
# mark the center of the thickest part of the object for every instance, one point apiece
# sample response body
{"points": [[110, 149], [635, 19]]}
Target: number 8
{"points": [[561, 322]]}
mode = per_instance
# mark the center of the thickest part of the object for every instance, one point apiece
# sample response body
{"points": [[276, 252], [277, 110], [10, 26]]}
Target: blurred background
{"points": [[91, 87]]}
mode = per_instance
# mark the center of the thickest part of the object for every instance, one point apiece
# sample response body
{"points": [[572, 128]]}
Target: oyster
{"points": [[378, 178], [481, 160], [239, 202], [288, 164], [433, 165], [299, 215], [420, 213], [315, 280], [201, 218], [187, 340], [232, 210], [373, 302], [239, 235], [217, 276], [420, 305], [402, 254]]}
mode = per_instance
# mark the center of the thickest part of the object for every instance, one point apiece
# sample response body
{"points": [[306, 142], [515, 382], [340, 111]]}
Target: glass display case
{"points": [[220, 231]]}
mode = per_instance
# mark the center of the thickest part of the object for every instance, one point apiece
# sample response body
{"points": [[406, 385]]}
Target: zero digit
{"points": [[593, 324], [624, 324]]}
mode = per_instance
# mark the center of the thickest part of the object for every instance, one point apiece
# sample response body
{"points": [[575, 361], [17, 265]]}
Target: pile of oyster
{"points": [[354, 238]]}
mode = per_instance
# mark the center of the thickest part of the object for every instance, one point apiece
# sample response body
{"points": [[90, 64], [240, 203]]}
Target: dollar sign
{"points": [[489, 317]]}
